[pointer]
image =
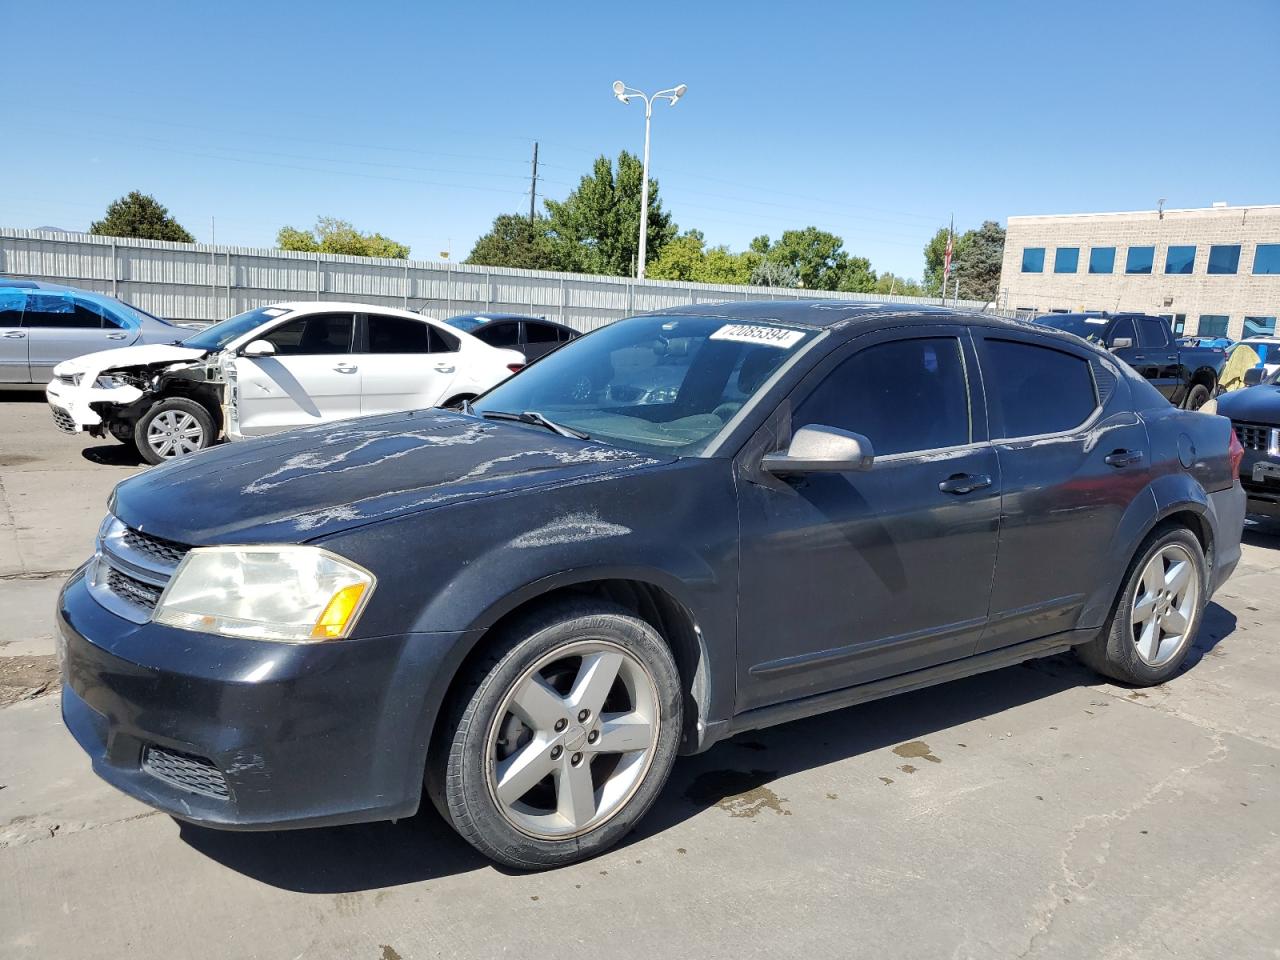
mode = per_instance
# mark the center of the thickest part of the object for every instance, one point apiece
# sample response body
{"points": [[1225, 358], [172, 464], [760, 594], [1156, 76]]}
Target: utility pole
{"points": [[533, 185]]}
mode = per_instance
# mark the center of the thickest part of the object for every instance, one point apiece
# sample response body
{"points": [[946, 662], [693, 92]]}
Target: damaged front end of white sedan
{"points": [[164, 400]]}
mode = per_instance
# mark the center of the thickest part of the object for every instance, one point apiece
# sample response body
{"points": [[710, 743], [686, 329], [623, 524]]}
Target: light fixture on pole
{"points": [[624, 94]]}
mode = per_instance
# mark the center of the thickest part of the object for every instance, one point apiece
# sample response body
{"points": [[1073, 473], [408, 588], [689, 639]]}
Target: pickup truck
{"points": [[1187, 376]]}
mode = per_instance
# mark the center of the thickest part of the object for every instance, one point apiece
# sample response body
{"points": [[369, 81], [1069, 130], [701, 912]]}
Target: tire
{"points": [[1124, 651], [1197, 397], [182, 427], [517, 742]]}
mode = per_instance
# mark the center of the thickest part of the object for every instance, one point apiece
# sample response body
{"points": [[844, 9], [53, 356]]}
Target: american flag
{"points": [[946, 262]]}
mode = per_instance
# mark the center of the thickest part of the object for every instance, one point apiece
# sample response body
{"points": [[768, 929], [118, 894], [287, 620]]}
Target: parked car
{"points": [[533, 336], [534, 606], [1187, 376], [42, 324], [1267, 349], [1226, 343], [1255, 415], [287, 365]]}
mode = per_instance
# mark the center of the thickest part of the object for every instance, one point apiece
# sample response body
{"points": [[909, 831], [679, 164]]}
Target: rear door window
{"points": [[1038, 389], [59, 311], [500, 334], [398, 335], [1152, 332], [539, 332], [903, 395]]}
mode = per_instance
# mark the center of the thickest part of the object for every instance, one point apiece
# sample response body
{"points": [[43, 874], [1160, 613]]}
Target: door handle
{"points": [[962, 483], [346, 368], [444, 368], [1123, 458], [115, 336], [15, 335]]}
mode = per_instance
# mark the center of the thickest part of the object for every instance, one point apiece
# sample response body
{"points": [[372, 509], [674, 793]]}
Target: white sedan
{"points": [[287, 365]]}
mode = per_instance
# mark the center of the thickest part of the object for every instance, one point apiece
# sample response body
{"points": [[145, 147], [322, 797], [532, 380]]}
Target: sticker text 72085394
{"points": [[759, 334]]}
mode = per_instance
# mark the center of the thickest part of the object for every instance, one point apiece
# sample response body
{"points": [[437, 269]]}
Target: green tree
{"points": [[683, 258], [514, 241], [858, 277], [722, 265], [892, 285], [935, 252], [339, 236], [596, 228], [816, 258], [140, 215], [979, 267]]}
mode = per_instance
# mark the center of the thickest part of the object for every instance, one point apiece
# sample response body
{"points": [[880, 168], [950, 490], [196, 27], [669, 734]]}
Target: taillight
{"points": [[1235, 453], [515, 367]]}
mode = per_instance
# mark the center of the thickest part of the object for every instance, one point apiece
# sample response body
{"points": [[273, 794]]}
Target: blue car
{"points": [[42, 324]]}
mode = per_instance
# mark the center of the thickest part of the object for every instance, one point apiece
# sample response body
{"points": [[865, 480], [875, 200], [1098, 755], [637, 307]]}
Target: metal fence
{"points": [[192, 281]]}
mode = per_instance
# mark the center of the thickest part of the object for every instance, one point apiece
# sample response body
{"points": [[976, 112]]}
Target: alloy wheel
{"points": [[1164, 605], [174, 433], [573, 739]]}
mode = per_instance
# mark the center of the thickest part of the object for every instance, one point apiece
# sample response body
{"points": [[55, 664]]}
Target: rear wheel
{"points": [[1197, 397], [1158, 614], [563, 738], [174, 427]]}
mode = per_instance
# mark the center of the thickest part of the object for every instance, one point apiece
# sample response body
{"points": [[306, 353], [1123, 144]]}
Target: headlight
{"points": [[292, 593], [110, 382]]}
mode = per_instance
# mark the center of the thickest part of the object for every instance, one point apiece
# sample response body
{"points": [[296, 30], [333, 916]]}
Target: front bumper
{"points": [[249, 735], [1260, 474], [71, 407]]}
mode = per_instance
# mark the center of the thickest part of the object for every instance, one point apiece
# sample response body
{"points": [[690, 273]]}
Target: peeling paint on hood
{"points": [[309, 483]]}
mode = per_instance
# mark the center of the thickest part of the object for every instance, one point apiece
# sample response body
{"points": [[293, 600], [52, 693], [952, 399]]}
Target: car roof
{"points": [[841, 314], [503, 316]]}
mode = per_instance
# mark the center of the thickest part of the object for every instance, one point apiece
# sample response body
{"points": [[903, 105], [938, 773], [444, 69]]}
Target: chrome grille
{"points": [[131, 570], [1253, 436], [62, 420], [197, 774]]}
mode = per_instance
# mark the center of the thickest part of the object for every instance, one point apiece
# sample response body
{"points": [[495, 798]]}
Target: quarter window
{"points": [[1102, 260], [1212, 325], [319, 334], [1066, 260], [1266, 259], [1139, 259], [1033, 260], [904, 396], [1224, 258], [1179, 259], [1039, 389]]}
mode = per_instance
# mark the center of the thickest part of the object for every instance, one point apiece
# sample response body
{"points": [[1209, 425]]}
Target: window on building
{"points": [[1212, 325], [1266, 259], [1224, 258], [904, 395], [1179, 259], [1259, 326], [1139, 259], [1033, 260], [1021, 372], [1066, 260], [1177, 321], [1102, 260]]}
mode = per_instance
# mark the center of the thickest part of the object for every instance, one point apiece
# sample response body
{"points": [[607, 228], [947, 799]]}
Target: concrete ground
{"points": [[1032, 812]]}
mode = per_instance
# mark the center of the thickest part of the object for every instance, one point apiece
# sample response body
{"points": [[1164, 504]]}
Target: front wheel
{"points": [[1158, 613], [172, 428], [563, 739]]}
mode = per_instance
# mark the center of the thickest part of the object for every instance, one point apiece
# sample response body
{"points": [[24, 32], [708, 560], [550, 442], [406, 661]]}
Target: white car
{"points": [[287, 365]]}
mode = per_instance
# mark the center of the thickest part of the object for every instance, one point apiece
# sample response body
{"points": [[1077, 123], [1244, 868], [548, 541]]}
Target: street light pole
{"points": [[624, 94]]}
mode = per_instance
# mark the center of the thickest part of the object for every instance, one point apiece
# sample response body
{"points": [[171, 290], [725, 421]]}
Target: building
{"points": [[1210, 271]]}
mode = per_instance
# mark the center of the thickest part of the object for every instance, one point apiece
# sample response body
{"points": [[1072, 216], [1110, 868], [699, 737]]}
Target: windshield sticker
{"points": [[1101, 321], [274, 312], [761, 335]]}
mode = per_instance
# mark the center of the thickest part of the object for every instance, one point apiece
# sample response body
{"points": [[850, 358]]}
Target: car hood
{"points": [[123, 357], [1260, 404], [309, 483]]}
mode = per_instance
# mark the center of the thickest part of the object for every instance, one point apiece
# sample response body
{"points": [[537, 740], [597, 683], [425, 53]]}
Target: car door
{"points": [[1160, 354], [313, 376], [539, 339], [1073, 456], [60, 326], [851, 577], [13, 338], [409, 364]]}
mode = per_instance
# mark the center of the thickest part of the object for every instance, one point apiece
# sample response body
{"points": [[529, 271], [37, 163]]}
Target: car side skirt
{"points": [[903, 683]]}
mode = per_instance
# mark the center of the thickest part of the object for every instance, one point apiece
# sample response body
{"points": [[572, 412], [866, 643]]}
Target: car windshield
{"points": [[1088, 328], [220, 334], [661, 384]]}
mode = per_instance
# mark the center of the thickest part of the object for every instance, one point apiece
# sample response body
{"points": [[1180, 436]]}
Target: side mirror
{"points": [[820, 449], [1253, 376], [1122, 343], [259, 348]]}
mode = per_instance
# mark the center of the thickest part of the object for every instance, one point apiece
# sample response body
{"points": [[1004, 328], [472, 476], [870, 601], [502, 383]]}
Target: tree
{"points": [[857, 277], [892, 285], [514, 241], [774, 273], [976, 257], [338, 236], [140, 215], [817, 260], [595, 229], [935, 252], [683, 258]]}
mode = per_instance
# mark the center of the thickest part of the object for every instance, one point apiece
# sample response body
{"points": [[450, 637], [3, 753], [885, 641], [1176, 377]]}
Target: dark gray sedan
{"points": [[525, 610]]}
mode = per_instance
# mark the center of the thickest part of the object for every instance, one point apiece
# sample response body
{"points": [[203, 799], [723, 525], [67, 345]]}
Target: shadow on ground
{"points": [[733, 775], [114, 455]]}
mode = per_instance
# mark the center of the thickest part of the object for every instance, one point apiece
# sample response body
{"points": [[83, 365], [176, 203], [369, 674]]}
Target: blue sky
{"points": [[875, 121]]}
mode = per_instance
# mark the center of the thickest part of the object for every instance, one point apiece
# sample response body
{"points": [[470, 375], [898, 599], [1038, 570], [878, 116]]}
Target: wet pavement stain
{"points": [[833, 796], [390, 953], [740, 793], [907, 768], [916, 750], [886, 780]]}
